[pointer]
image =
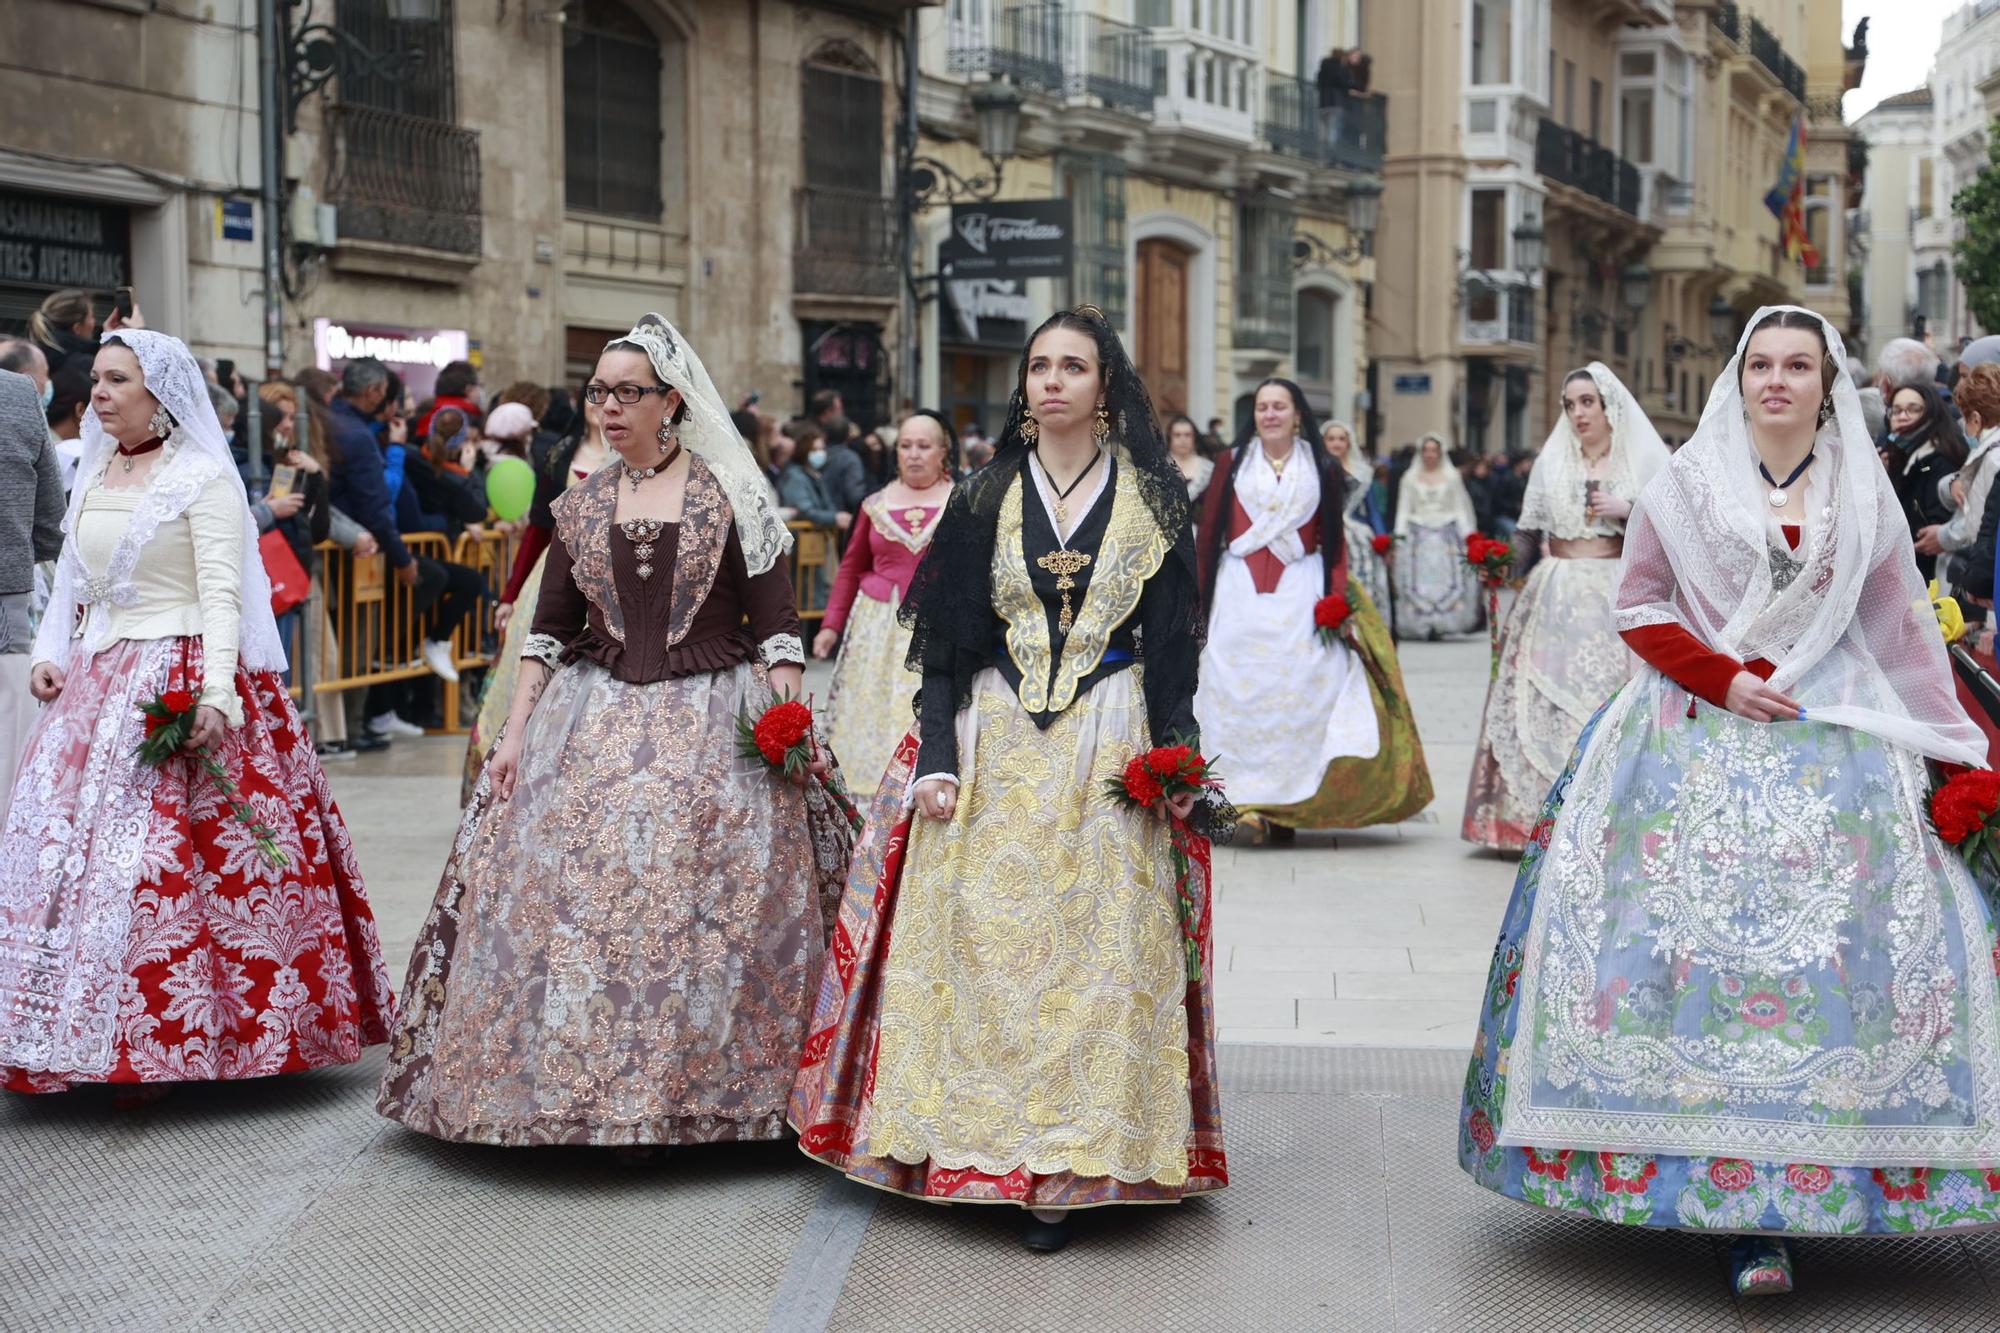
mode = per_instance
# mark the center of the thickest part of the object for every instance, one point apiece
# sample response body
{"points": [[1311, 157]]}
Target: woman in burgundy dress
{"points": [[626, 938]]}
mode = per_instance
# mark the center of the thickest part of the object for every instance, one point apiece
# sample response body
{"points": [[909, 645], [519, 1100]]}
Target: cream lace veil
{"points": [[1553, 505], [196, 453], [707, 432], [1845, 617]]}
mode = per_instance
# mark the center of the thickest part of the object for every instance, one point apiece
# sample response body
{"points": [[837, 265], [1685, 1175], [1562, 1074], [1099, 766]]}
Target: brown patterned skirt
{"points": [[625, 952]]}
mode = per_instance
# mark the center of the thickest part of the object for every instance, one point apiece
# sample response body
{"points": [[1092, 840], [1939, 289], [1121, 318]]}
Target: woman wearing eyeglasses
{"points": [[625, 941]]}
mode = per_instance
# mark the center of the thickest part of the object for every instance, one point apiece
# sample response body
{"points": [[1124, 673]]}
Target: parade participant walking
{"points": [[1560, 655], [1011, 1017], [1184, 444], [559, 466], [624, 943], [1315, 726], [1365, 521], [870, 707], [1437, 592], [1742, 986], [161, 923]]}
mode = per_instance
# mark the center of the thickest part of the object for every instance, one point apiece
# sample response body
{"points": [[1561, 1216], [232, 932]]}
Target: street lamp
{"points": [[1721, 333], [996, 110], [996, 107], [1635, 287], [1530, 248], [1364, 213]]}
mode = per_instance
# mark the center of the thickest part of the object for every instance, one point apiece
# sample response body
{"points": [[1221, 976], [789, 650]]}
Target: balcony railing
{"points": [[1291, 116], [1350, 134], [1264, 318], [1571, 158], [404, 180], [1729, 21], [1207, 71], [846, 243], [1363, 134], [1110, 61], [1766, 50]]}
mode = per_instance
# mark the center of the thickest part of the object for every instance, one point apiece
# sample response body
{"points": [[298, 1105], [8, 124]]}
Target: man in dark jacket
{"points": [[31, 514]]}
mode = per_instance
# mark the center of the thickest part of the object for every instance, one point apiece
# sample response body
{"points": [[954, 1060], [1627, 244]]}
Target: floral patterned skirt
{"points": [[1365, 566], [1780, 1017], [624, 952], [1560, 659], [870, 707], [143, 936], [1436, 591], [1006, 1017]]}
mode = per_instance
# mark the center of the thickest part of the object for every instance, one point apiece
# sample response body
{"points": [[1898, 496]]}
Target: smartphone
{"points": [[284, 480], [122, 299]]}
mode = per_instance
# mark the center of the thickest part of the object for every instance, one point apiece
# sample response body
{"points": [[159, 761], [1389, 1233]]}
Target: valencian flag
{"points": [[1787, 198]]}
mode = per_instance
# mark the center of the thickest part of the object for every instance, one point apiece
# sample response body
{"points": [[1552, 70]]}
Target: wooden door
{"points": [[1161, 320]]}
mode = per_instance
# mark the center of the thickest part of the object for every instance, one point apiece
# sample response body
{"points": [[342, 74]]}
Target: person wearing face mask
{"points": [[1437, 592], [1316, 728], [1742, 986], [869, 708], [1560, 655]]}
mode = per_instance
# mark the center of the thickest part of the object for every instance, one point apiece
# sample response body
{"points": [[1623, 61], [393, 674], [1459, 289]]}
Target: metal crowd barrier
{"points": [[360, 627]]}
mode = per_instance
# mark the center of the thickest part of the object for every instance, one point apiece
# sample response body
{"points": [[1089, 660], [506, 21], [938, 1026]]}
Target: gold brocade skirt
{"points": [[1033, 1010], [873, 691]]}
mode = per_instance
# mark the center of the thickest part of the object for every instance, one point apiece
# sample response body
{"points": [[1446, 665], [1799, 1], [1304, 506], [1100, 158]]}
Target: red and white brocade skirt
{"points": [[144, 938]]}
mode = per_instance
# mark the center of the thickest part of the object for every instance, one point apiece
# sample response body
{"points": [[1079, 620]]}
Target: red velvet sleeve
{"points": [[1688, 662], [859, 558], [534, 541]]}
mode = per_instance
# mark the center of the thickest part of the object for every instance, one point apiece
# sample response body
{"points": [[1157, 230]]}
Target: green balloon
{"points": [[510, 488]]}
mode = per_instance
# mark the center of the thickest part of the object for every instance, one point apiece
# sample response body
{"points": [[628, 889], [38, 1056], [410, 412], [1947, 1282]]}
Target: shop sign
{"points": [[54, 243], [417, 355], [1018, 238], [987, 311]]}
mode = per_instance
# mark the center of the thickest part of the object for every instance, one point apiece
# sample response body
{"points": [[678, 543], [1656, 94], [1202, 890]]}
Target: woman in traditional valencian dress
{"points": [[625, 941], [1009, 1014], [1437, 592], [1365, 521], [869, 710], [567, 462], [1314, 734], [145, 936], [1560, 656], [1742, 987]]}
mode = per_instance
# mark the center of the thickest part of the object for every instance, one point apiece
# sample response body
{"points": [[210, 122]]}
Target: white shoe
{"points": [[437, 656], [389, 724]]}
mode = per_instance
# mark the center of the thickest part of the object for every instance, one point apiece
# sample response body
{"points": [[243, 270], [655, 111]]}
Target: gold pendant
{"points": [[1063, 564]]}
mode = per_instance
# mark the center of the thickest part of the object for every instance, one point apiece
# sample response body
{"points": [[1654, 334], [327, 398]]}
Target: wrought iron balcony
{"points": [[1264, 318], [1571, 158], [1352, 138], [404, 180], [845, 244], [1498, 313], [1767, 51], [1729, 21], [1110, 61], [1207, 68]]}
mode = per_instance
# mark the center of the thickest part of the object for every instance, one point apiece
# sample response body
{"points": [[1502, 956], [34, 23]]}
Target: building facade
{"points": [[1208, 198], [1901, 165], [1579, 180], [1968, 54], [518, 180]]}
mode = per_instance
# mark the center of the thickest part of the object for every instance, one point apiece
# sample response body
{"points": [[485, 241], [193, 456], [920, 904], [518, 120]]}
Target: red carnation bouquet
{"points": [[1329, 614], [782, 736], [169, 720], [1965, 807], [1161, 773], [1494, 563], [1382, 542]]}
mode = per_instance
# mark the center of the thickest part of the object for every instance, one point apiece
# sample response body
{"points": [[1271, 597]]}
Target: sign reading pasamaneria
{"points": [[50, 243], [1016, 238]]}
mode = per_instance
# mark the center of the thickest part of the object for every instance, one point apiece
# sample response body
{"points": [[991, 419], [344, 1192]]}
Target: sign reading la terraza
{"points": [[46, 242], [1018, 238]]}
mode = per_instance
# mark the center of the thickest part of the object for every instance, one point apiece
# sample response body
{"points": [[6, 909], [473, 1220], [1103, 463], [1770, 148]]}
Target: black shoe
{"points": [[1045, 1237], [333, 750], [368, 742], [1283, 835]]}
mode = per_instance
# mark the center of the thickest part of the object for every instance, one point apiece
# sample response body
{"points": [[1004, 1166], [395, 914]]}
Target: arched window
{"points": [[611, 112]]}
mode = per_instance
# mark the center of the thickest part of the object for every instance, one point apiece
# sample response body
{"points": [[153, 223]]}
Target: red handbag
{"points": [[289, 583]]}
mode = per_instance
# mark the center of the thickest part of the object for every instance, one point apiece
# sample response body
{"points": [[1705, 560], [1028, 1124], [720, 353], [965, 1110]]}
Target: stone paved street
{"points": [[1354, 967]]}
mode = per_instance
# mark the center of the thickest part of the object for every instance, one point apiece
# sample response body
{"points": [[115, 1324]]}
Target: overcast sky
{"points": [[1902, 42]]}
